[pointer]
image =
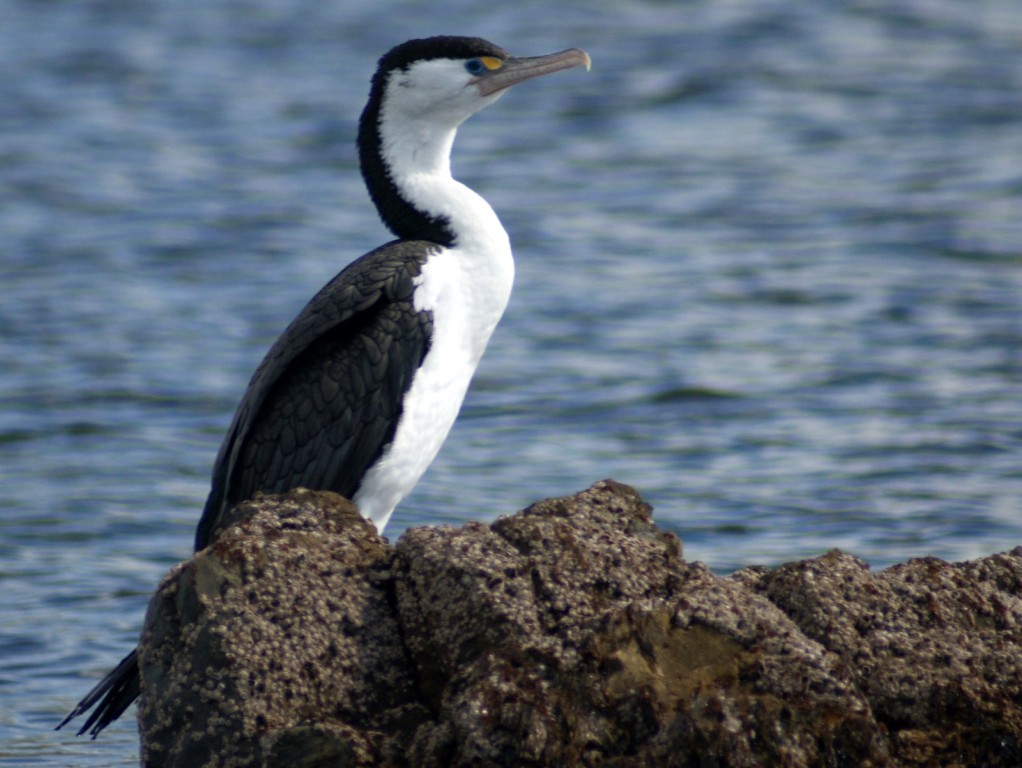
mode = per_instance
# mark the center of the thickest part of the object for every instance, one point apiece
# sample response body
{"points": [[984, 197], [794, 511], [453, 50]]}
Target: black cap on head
{"points": [[442, 47]]}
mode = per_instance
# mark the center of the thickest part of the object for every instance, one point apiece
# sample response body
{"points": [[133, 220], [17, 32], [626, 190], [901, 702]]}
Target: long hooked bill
{"points": [[514, 70]]}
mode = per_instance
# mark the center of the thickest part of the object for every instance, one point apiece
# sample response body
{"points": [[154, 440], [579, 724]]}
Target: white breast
{"points": [[467, 293]]}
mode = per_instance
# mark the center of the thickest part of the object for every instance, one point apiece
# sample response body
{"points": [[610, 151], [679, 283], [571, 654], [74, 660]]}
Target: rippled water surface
{"points": [[769, 273]]}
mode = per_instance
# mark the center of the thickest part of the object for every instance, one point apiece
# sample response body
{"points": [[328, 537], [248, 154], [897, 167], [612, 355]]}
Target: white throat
{"points": [[479, 265], [416, 148]]}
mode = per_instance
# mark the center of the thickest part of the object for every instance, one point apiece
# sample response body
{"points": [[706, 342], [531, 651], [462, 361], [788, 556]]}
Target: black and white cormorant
{"points": [[359, 392]]}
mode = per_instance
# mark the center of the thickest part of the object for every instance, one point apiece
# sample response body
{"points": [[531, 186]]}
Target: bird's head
{"points": [[421, 92], [447, 79]]}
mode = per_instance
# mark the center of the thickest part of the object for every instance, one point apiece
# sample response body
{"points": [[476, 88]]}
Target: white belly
{"points": [[467, 299]]}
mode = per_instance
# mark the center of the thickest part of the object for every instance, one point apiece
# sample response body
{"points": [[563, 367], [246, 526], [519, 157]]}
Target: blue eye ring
{"points": [[475, 67]]}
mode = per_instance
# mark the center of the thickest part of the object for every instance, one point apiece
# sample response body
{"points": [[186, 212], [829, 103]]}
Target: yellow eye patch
{"points": [[491, 62]]}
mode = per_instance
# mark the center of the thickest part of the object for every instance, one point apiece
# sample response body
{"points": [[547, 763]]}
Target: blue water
{"points": [[769, 273]]}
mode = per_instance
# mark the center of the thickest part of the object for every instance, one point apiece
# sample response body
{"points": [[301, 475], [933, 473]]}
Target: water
{"points": [[769, 273]]}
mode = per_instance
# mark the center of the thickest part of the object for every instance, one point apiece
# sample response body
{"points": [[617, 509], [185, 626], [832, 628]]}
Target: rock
{"points": [[570, 634], [285, 620], [935, 647]]}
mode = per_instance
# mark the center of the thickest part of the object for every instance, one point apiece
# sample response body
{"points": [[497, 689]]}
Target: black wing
{"points": [[319, 410], [326, 399]]}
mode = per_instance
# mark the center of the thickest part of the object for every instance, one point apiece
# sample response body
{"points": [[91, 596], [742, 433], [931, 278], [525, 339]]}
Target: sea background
{"points": [[769, 273]]}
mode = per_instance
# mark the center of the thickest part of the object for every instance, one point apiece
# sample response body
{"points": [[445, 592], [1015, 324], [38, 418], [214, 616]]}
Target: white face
{"points": [[442, 91]]}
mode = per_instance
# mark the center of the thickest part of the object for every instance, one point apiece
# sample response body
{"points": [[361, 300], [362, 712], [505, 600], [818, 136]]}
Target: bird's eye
{"points": [[483, 64]]}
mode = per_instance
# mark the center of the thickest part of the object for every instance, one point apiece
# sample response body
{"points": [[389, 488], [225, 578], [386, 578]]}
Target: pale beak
{"points": [[516, 70]]}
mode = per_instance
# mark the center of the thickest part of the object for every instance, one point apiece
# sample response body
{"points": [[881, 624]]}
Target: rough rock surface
{"points": [[570, 634]]}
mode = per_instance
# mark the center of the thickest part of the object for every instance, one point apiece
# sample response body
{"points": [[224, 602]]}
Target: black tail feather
{"points": [[115, 692]]}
